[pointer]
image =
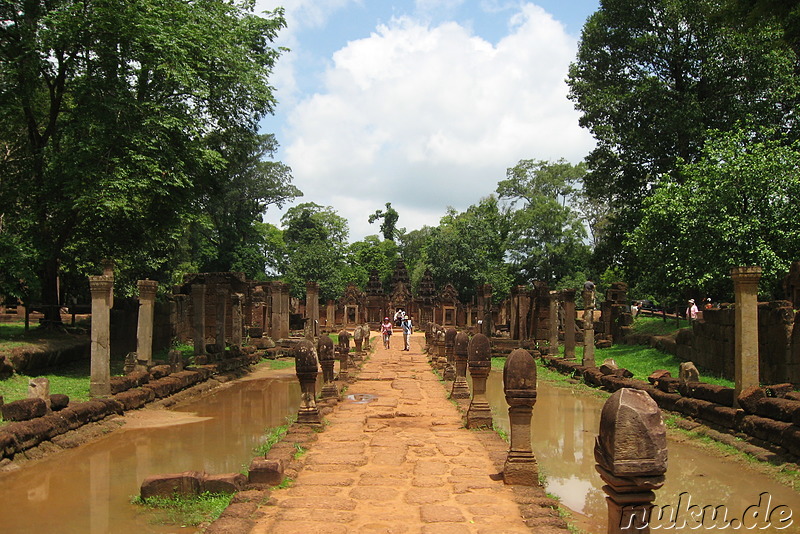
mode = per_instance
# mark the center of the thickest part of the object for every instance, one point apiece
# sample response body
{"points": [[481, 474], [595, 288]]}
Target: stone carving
{"points": [[479, 413], [365, 332], [519, 385], [39, 388], [631, 455], [344, 355], [688, 374], [101, 287], [568, 303], [449, 342], [460, 386], [306, 365], [358, 339], [588, 328], [144, 327], [746, 364], [327, 359]]}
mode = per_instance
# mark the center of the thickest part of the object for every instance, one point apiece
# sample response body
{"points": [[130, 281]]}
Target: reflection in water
{"points": [[565, 423], [88, 489]]}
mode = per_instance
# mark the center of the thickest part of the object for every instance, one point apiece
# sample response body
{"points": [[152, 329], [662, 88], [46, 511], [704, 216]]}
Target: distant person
{"points": [[589, 285], [398, 317], [386, 331], [634, 309], [708, 305], [691, 311], [408, 329]]}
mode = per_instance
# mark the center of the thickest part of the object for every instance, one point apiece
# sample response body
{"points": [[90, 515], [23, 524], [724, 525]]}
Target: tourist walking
{"points": [[691, 311], [386, 331], [407, 331]]}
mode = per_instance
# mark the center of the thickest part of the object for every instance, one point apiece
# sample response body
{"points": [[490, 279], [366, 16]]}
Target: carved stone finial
{"points": [[479, 413], [306, 367]]}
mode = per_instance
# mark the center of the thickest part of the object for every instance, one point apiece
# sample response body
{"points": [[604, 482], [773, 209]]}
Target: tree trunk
{"points": [[50, 297]]}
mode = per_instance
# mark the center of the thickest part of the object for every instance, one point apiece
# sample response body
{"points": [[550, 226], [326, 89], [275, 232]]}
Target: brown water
{"points": [[565, 423], [88, 489]]}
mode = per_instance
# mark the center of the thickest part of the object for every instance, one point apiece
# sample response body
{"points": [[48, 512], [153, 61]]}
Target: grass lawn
{"points": [[656, 326]]}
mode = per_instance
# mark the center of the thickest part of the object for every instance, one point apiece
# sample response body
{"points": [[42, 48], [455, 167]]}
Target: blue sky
{"points": [[423, 104]]}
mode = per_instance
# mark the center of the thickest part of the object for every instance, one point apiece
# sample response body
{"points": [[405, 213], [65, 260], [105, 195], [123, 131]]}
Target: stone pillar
{"points": [[366, 333], [524, 311], [326, 361], [358, 340], [460, 386], [588, 328], [39, 388], [306, 364], [330, 314], [221, 319], [486, 311], [552, 349], [275, 309], [284, 311], [513, 319], [519, 385], [144, 325], [745, 286], [312, 307], [108, 271], [568, 300], [344, 349], [449, 343], [479, 413], [101, 288], [631, 455], [441, 350], [236, 320], [199, 318]]}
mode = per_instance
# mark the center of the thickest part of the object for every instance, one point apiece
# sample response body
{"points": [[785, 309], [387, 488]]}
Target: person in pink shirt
{"points": [[691, 311]]}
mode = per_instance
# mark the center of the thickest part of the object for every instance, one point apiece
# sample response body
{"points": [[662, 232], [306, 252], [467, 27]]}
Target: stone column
{"points": [[366, 333], [441, 350], [330, 314], [568, 299], [221, 318], [524, 311], [326, 361], [144, 325], [460, 386], [553, 319], [312, 307], [631, 455], [513, 319], [479, 413], [519, 385], [588, 328], [746, 365], [449, 343], [236, 319], [306, 364], [487, 329], [199, 318], [344, 355], [101, 288], [284, 311], [275, 308]]}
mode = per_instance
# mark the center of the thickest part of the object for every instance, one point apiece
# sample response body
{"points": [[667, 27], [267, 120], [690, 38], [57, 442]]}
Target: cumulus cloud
{"points": [[430, 116]]}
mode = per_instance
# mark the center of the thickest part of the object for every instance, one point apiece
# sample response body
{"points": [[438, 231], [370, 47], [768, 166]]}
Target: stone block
{"points": [[184, 484], [668, 384], [135, 398], [255, 332], [58, 402], [226, 483], [709, 392], [790, 439], [780, 390], [24, 409], [749, 397], [7, 445], [666, 401], [592, 376], [723, 416], [691, 407], [120, 384], [778, 409], [265, 471], [658, 374], [763, 428], [139, 377], [160, 371]]}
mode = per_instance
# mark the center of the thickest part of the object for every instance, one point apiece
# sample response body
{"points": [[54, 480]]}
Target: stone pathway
{"points": [[402, 462]]}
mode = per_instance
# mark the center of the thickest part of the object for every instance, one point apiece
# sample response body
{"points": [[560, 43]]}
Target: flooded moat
{"points": [[88, 489]]}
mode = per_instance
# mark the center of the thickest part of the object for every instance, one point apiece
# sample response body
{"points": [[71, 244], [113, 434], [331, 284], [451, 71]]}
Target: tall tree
{"points": [[651, 78], [735, 206], [372, 254], [388, 220], [109, 108], [546, 237], [468, 249], [315, 238]]}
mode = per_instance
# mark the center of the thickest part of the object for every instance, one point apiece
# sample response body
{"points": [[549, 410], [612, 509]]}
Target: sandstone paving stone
{"points": [[428, 481], [475, 498], [383, 494], [334, 516], [435, 513], [316, 491], [427, 495], [318, 503], [431, 468]]}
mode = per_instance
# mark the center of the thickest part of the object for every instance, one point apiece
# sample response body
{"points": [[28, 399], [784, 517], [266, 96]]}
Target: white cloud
{"points": [[427, 117]]}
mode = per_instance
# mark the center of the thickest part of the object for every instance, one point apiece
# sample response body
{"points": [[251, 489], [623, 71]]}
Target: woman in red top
{"points": [[386, 331]]}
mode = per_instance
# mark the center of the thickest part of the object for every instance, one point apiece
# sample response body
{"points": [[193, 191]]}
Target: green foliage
{"points": [[371, 255], [651, 79], [184, 510], [281, 364], [735, 206], [468, 249], [114, 141], [273, 435], [389, 221], [315, 238], [546, 238]]}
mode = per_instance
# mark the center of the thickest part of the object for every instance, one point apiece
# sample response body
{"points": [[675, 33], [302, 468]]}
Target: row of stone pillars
{"points": [[201, 350], [102, 290]]}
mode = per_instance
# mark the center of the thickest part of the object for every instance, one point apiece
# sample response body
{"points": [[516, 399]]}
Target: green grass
{"points": [[186, 350], [281, 364], [656, 326], [274, 435], [185, 511]]}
